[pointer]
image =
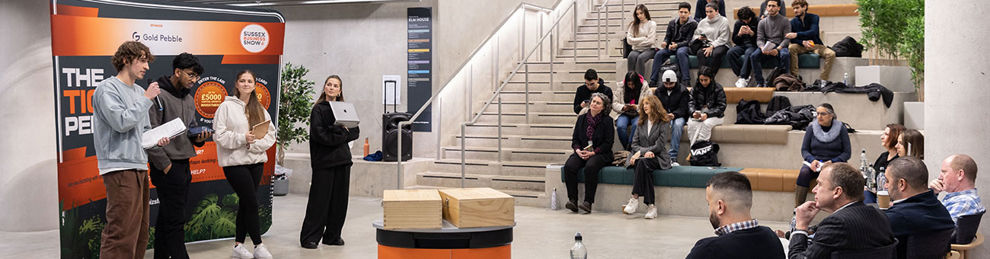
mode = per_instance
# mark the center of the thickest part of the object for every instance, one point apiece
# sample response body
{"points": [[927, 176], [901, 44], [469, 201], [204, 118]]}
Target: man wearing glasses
{"points": [[170, 164]]}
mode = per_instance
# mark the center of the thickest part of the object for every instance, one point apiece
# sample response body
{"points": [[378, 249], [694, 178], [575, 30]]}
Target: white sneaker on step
{"points": [[675, 164], [742, 82], [260, 252], [241, 252], [631, 207], [651, 212]]}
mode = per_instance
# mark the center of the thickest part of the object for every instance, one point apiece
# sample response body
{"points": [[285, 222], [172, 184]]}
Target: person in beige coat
{"points": [[642, 37], [629, 93], [242, 156]]}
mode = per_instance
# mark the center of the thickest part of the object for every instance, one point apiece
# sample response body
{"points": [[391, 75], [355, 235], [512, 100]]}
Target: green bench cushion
{"points": [[807, 60], [678, 176]]}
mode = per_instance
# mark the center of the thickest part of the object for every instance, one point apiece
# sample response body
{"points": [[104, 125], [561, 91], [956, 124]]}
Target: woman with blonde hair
{"points": [[649, 152]]}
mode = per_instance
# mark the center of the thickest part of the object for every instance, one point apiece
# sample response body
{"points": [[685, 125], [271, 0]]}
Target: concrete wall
{"points": [[27, 146], [335, 39], [955, 86]]}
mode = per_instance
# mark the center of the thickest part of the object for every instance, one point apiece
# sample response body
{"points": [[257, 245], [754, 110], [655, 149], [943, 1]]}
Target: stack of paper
{"points": [[168, 130]]}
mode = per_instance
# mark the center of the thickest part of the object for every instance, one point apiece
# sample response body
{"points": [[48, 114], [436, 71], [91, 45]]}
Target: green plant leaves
{"points": [[294, 107], [896, 28]]}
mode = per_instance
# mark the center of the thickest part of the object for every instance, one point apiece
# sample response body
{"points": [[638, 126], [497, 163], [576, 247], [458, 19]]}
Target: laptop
{"points": [[345, 114]]}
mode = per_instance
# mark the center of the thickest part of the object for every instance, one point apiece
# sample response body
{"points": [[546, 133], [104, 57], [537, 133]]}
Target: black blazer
{"points": [[601, 140], [854, 227], [676, 102], [328, 143]]}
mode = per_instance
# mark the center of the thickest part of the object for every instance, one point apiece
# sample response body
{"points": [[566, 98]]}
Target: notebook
{"points": [[261, 129], [170, 129], [345, 114]]}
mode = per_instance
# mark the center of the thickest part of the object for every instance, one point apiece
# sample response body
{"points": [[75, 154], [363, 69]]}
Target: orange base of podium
{"points": [[501, 252]]}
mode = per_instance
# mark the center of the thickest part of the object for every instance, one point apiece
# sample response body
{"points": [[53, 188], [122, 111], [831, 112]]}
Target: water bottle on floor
{"points": [[578, 251], [553, 200], [845, 79]]}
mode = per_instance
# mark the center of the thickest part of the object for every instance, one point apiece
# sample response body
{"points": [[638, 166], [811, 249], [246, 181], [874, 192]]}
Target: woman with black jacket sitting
{"points": [[331, 162], [826, 140], [592, 142], [649, 147], [707, 106], [889, 141]]}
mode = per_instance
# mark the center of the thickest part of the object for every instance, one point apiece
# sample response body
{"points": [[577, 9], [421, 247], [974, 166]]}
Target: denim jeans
{"points": [[675, 138], [623, 123]]}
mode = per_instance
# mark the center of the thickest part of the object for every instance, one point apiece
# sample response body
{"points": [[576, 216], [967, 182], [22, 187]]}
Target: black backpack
{"points": [[848, 47], [778, 103], [704, 153]]}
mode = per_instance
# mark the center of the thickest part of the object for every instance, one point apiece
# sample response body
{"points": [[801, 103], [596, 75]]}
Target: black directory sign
{"points": [[419, 64]]}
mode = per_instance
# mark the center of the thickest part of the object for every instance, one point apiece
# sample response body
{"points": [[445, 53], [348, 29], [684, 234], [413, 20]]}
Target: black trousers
{"points": [[327, 205], [715, 60], [643, 182], [806, 176], [591, 168], [244, 179], [173, 192]]}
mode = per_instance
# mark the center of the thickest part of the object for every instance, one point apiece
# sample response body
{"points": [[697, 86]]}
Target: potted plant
{"points": [[294, 105], [894, 29]]}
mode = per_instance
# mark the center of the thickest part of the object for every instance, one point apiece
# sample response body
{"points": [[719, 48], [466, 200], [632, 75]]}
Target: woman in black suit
{"points": [[592, 141], [331, 161]]}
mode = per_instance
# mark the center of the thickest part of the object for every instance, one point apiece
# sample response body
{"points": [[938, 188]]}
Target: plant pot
{"points": [[914, 115], [895, 78]]}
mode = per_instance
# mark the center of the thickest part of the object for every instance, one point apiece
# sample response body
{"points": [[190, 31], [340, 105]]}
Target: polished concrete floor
{"points": [[539, 233]]}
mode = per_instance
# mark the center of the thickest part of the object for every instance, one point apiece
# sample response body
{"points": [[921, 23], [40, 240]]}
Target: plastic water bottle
{"points": [[578, 251], [845, 79], [553, 200]]}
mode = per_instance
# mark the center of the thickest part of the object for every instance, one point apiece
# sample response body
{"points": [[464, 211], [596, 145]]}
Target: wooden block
{"points": [[478, 207], [420, 208]]}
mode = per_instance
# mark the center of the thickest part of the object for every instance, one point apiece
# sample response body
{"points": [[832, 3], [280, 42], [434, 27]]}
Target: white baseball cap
{"points": [[669, 76]]}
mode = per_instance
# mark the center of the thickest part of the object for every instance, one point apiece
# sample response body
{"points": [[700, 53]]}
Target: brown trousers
{"points": [[126, 232], [824, 52]]}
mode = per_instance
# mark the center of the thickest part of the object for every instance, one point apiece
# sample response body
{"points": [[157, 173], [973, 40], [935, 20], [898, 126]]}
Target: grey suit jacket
{"points": [[657, 140]]}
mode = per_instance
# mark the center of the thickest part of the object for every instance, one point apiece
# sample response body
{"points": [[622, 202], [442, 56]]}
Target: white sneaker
{"points": [[260, 252], [241, 252], [742, 82], [631, 207], [651, 212], [675, 164]]}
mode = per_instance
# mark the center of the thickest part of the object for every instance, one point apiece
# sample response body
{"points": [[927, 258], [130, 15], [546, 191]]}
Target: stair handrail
{"points": [[429, 102]]}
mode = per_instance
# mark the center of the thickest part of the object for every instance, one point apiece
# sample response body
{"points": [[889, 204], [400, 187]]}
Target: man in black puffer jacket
{"points": [[707, 106]]}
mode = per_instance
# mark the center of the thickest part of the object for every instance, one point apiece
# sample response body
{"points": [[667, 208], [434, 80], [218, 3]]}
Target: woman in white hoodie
{"points": [[642, 36], [242, 156], [715, 30]]}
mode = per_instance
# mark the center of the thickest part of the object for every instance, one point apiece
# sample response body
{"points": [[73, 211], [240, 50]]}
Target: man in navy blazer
{"points": [[852, 225], [916, 211]]}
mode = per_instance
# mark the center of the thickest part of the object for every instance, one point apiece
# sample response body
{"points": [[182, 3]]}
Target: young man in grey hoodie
{"points": [[170, 164], [771, 41], [120, 117]]}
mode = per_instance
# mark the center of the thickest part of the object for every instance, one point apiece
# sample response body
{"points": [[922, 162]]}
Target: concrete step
{"points": [[505, 182], [536, 76], [552, 96], [517, 141], [534, 106], [786, 156], [614, 53], [514, 168], [508, 154], [564, 129], [534, 117], [569, 65]]}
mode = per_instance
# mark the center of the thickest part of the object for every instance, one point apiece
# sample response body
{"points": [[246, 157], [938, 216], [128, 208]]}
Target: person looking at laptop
{"points": [[241, 151], [331, 162]]}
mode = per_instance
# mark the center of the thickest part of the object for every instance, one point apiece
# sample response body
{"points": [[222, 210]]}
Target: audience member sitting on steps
{"points": [[764, 11], [707, 106], [679, 33], [958, 180], [592, 144], [675, 100], [771, 41], [915, 211], [738, 235], [649, 148], [911, 143], [642, 36], [715, 30], [628, 94], [744, 36], [804, 38], [592, 84], [852, 225], [699, 13], [888, 140], [825, 141]]}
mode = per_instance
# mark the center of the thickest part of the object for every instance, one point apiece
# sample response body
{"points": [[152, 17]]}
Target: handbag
{"points": [[626, 48]]}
